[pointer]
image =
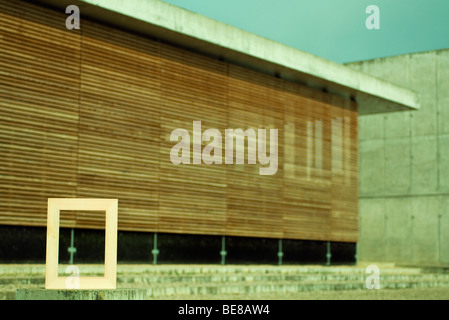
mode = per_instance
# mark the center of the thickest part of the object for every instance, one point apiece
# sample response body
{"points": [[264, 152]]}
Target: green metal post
{"points": [[280, 253], [328, 254], [223, 252], [72, 248], [155, 251]]}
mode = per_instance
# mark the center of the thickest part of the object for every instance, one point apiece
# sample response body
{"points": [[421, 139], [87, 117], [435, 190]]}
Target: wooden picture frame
{"points": [[52, 280]]}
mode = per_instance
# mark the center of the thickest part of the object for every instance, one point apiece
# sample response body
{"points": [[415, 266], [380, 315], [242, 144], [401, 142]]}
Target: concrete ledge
{"points": [[44, 294], [198, 33]]}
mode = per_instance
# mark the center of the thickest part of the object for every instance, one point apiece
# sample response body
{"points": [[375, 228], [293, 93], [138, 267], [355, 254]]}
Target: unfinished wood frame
{"points": [[52, 280]]}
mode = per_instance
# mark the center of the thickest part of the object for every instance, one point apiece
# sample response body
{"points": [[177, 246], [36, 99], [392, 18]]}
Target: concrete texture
{"points": [[43, 294], [399, 173], [398, 224], [424, 164], [215, 281], [372, 217], [372, 167], [404, 165], [424, 237], [201, 34]]}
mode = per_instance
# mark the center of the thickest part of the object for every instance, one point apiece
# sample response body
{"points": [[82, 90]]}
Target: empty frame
{"points": [[110, 206]]}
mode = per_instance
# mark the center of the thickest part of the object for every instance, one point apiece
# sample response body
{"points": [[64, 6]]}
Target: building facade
{"points": [[92, 113]]}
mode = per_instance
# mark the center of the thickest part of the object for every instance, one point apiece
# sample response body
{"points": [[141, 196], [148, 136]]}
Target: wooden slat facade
{"points": [[89, 114]]}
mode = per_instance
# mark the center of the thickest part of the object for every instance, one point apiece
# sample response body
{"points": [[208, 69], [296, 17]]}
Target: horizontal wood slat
{"points": [[89, 113]]}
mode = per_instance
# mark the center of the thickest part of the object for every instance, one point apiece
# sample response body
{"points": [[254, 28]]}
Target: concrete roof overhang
{"points": [[198, 33]]}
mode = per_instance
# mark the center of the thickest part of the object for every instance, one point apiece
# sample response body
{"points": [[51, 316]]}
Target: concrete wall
{"points": [[404, 165]]}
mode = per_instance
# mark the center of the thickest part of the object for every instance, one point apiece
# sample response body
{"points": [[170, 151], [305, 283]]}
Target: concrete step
{"points": [[278, 288], [166, 281], [188, 280], [204, 269], [220, 270], [151, 279], [238, 278], [22, 280]]}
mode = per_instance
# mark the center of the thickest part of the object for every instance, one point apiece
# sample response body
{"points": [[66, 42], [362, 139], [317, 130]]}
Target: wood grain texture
{"points": [[89, 114]]}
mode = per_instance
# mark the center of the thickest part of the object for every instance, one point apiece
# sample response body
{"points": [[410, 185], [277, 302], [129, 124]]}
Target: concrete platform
{"points": [[146, 281], [43, 294]]}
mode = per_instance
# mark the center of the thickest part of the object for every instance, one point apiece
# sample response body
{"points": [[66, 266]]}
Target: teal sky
{"points": [[335, 29]]}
